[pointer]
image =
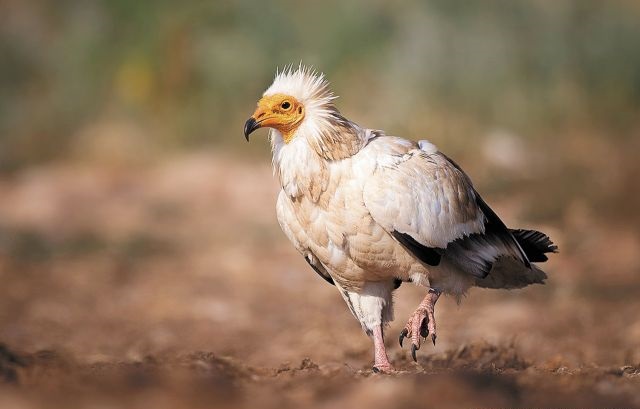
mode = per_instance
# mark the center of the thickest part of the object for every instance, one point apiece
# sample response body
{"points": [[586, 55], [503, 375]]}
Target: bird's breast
{"points": [[342, 234]]}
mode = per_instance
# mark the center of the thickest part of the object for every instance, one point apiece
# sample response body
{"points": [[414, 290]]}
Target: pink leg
{"points": [[382, 363], [422, 322]]}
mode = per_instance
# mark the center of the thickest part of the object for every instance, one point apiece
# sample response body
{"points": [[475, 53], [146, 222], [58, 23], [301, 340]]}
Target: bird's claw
{"points": [[403, 335], [420, 326]]}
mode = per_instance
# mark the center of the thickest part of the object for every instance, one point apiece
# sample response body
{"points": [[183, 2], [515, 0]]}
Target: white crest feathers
{"points": [[306, 85]]}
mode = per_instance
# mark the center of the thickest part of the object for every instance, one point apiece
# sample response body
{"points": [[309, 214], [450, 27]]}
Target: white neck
{"points": [[297, 166]]}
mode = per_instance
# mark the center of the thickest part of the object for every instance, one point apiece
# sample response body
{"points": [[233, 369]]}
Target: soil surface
{"points": [[171, 285]]}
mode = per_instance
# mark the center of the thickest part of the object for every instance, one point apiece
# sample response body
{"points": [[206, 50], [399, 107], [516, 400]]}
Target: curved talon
{"points": [[433, 338], [414, 348], [403, 334], [375, 370]]}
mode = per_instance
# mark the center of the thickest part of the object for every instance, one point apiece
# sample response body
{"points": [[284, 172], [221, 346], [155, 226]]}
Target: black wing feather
{"points": [[428, 255], [320, 272], [496, 226]]}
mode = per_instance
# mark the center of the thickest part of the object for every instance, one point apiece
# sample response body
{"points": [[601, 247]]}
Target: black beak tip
{"points": [[250, 126]]}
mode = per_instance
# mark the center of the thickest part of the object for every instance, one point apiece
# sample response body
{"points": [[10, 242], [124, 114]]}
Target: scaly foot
{"points": [[385, 369], [382, 364], [422, 323]]}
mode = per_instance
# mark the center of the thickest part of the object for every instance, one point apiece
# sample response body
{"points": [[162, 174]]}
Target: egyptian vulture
{"points": [[369, 211]]}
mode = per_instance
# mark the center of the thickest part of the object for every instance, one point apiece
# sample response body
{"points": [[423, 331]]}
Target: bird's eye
{"points": [[286, 105]]}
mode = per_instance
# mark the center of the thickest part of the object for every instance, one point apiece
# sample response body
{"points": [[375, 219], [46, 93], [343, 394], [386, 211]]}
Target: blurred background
{"points": [[136, 223]]}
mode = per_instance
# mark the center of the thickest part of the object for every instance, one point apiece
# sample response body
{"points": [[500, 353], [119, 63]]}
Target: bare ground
{"points": [[171, 285]]}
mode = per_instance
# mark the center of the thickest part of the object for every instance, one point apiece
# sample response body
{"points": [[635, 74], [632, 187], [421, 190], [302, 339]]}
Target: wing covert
{"points": [[421, 194]]}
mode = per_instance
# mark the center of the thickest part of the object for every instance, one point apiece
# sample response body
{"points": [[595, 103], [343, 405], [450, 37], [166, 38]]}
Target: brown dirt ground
{"points": [[171, 285]]}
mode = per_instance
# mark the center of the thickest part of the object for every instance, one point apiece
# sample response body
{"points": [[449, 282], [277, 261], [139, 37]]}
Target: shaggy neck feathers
{"points": [[324, 134]]}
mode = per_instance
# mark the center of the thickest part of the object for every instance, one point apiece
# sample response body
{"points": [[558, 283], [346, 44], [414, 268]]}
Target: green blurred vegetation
{"points": [[186, 74]]}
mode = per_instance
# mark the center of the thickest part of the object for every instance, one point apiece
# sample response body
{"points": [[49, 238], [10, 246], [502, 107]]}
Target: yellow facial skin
{"points": [[281, 112]]}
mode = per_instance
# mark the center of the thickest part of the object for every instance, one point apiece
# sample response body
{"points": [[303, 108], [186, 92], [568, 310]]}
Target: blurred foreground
{"points": [[114, 277]]}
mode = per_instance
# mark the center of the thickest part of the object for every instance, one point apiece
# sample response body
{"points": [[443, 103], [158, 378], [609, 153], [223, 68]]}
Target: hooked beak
{"points": [[250, 126]]}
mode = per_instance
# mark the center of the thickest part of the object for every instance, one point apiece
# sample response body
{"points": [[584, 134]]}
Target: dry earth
{"points": [[171, 285]]}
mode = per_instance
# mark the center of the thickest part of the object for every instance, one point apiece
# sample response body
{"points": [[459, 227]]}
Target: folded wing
{"points": [[428, 204]]}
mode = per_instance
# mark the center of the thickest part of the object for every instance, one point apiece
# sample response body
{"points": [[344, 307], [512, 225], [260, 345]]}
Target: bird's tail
{"points": [[509, 273], [534, 244]]}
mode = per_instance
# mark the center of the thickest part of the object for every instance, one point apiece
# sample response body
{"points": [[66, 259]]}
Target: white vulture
{"points": [[369, 211]]}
